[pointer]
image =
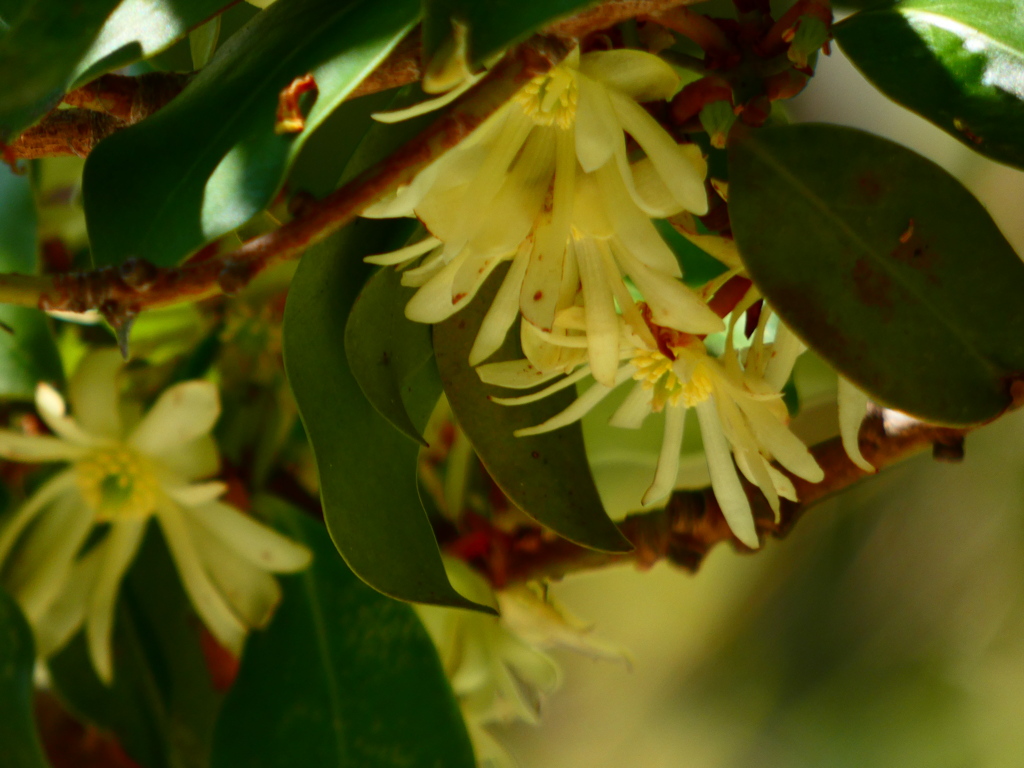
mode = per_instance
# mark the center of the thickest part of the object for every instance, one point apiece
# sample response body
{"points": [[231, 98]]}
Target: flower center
{"points": [[550, 99], [655, 372], [117, 483]]}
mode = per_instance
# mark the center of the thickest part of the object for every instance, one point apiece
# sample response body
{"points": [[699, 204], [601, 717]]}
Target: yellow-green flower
{"points": [[122, 470]]}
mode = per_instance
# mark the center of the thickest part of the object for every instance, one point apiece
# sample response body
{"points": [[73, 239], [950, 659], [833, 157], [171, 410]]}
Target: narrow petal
{"points": [[208, 601], [786, 348], [776, 438], [598, 132], [602, 320], [675, 165], [726, 483], [514, 374], [27, 512], [579, 408], [405, 254], [430, 105], [182, 414], [66, 614], [755, 469], [94, 394], [257, 543], [503, 310], [853, 405], [195, 494], [639, 75], [634, 409], [38, 567], [252, 593], [15, 446], [668, 459], [119, 549], [558, 386]]}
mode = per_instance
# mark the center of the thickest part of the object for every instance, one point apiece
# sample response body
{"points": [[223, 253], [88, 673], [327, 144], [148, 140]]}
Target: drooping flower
{"points": [[547, 184], [498, 666], [65, 551], [741, 415]]}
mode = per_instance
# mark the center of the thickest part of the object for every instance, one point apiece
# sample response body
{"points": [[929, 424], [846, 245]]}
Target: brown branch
{"points": [[401, 67], [692, 523], [610, 13], [129, 99], [121, 292], [61, 133]]}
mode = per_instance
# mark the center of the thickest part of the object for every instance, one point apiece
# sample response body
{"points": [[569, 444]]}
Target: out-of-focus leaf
{"points": [[162, 705], [27, 351], [385, 349], [884, 264], [139, 29], [367, 468], [202, 42], [342, 677], [213, 158], [38, 56], [546, 476], [958, 63], [20, 744], [492, 26]]}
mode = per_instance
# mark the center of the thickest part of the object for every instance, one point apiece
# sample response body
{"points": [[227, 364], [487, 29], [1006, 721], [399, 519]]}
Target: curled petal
{"points": [[252, 593], [853, 405], [53, 411], [579, 408]]}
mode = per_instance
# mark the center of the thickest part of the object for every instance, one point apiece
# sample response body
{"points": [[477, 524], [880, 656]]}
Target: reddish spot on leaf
{"points": [[869, 186], [872, 287], [289, 113]]}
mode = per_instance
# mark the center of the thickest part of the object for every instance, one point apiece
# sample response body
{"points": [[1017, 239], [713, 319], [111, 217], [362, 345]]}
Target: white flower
{"points": [[125, 469], [739, 409], [546, 183]]}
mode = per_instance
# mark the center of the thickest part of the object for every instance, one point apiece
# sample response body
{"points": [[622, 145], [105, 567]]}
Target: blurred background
{"points": [[887, 630]]}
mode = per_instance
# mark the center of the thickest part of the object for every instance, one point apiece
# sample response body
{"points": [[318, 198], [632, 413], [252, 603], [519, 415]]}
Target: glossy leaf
{"points": [[21, 748], [342, 677], [958, 63], [547, 476], [38, 56], [27, 351], [385, 349], [367, 468], [213, 159], [884, 264], [139, 29], [162, 705], [493, 25]]}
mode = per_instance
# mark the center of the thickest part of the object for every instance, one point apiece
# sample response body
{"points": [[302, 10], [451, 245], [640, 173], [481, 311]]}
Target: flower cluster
{"points": [[562, 183], [66, 550]]}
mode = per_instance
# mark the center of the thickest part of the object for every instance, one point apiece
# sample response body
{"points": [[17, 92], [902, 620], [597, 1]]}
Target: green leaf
{"points": [[385, 349], [367, 468], [38, 56], [958, 63], [139, 29], [342, 677], [162, 705], [213, 159], [21, 747], [546, 476], [884, 264], [27, 353], [493, 25]]}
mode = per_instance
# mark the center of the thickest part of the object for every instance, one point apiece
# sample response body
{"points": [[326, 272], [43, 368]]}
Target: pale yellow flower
{"points": [[546, 183], [124, 469]]}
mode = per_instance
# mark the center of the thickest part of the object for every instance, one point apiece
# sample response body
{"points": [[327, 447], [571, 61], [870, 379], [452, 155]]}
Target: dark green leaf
{"points": [[213, 159], [884, 264], [958, 63], [38, 56], [20, 745], [139, 29], [385, 349], [162, 705], [546, 476], [27, 353], [367, 469], [342, 677], [493, 25]]}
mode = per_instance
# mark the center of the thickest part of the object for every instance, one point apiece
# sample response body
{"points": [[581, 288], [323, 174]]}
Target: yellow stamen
{"points": [[655, 372], [550, 99], [117, 483]]}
